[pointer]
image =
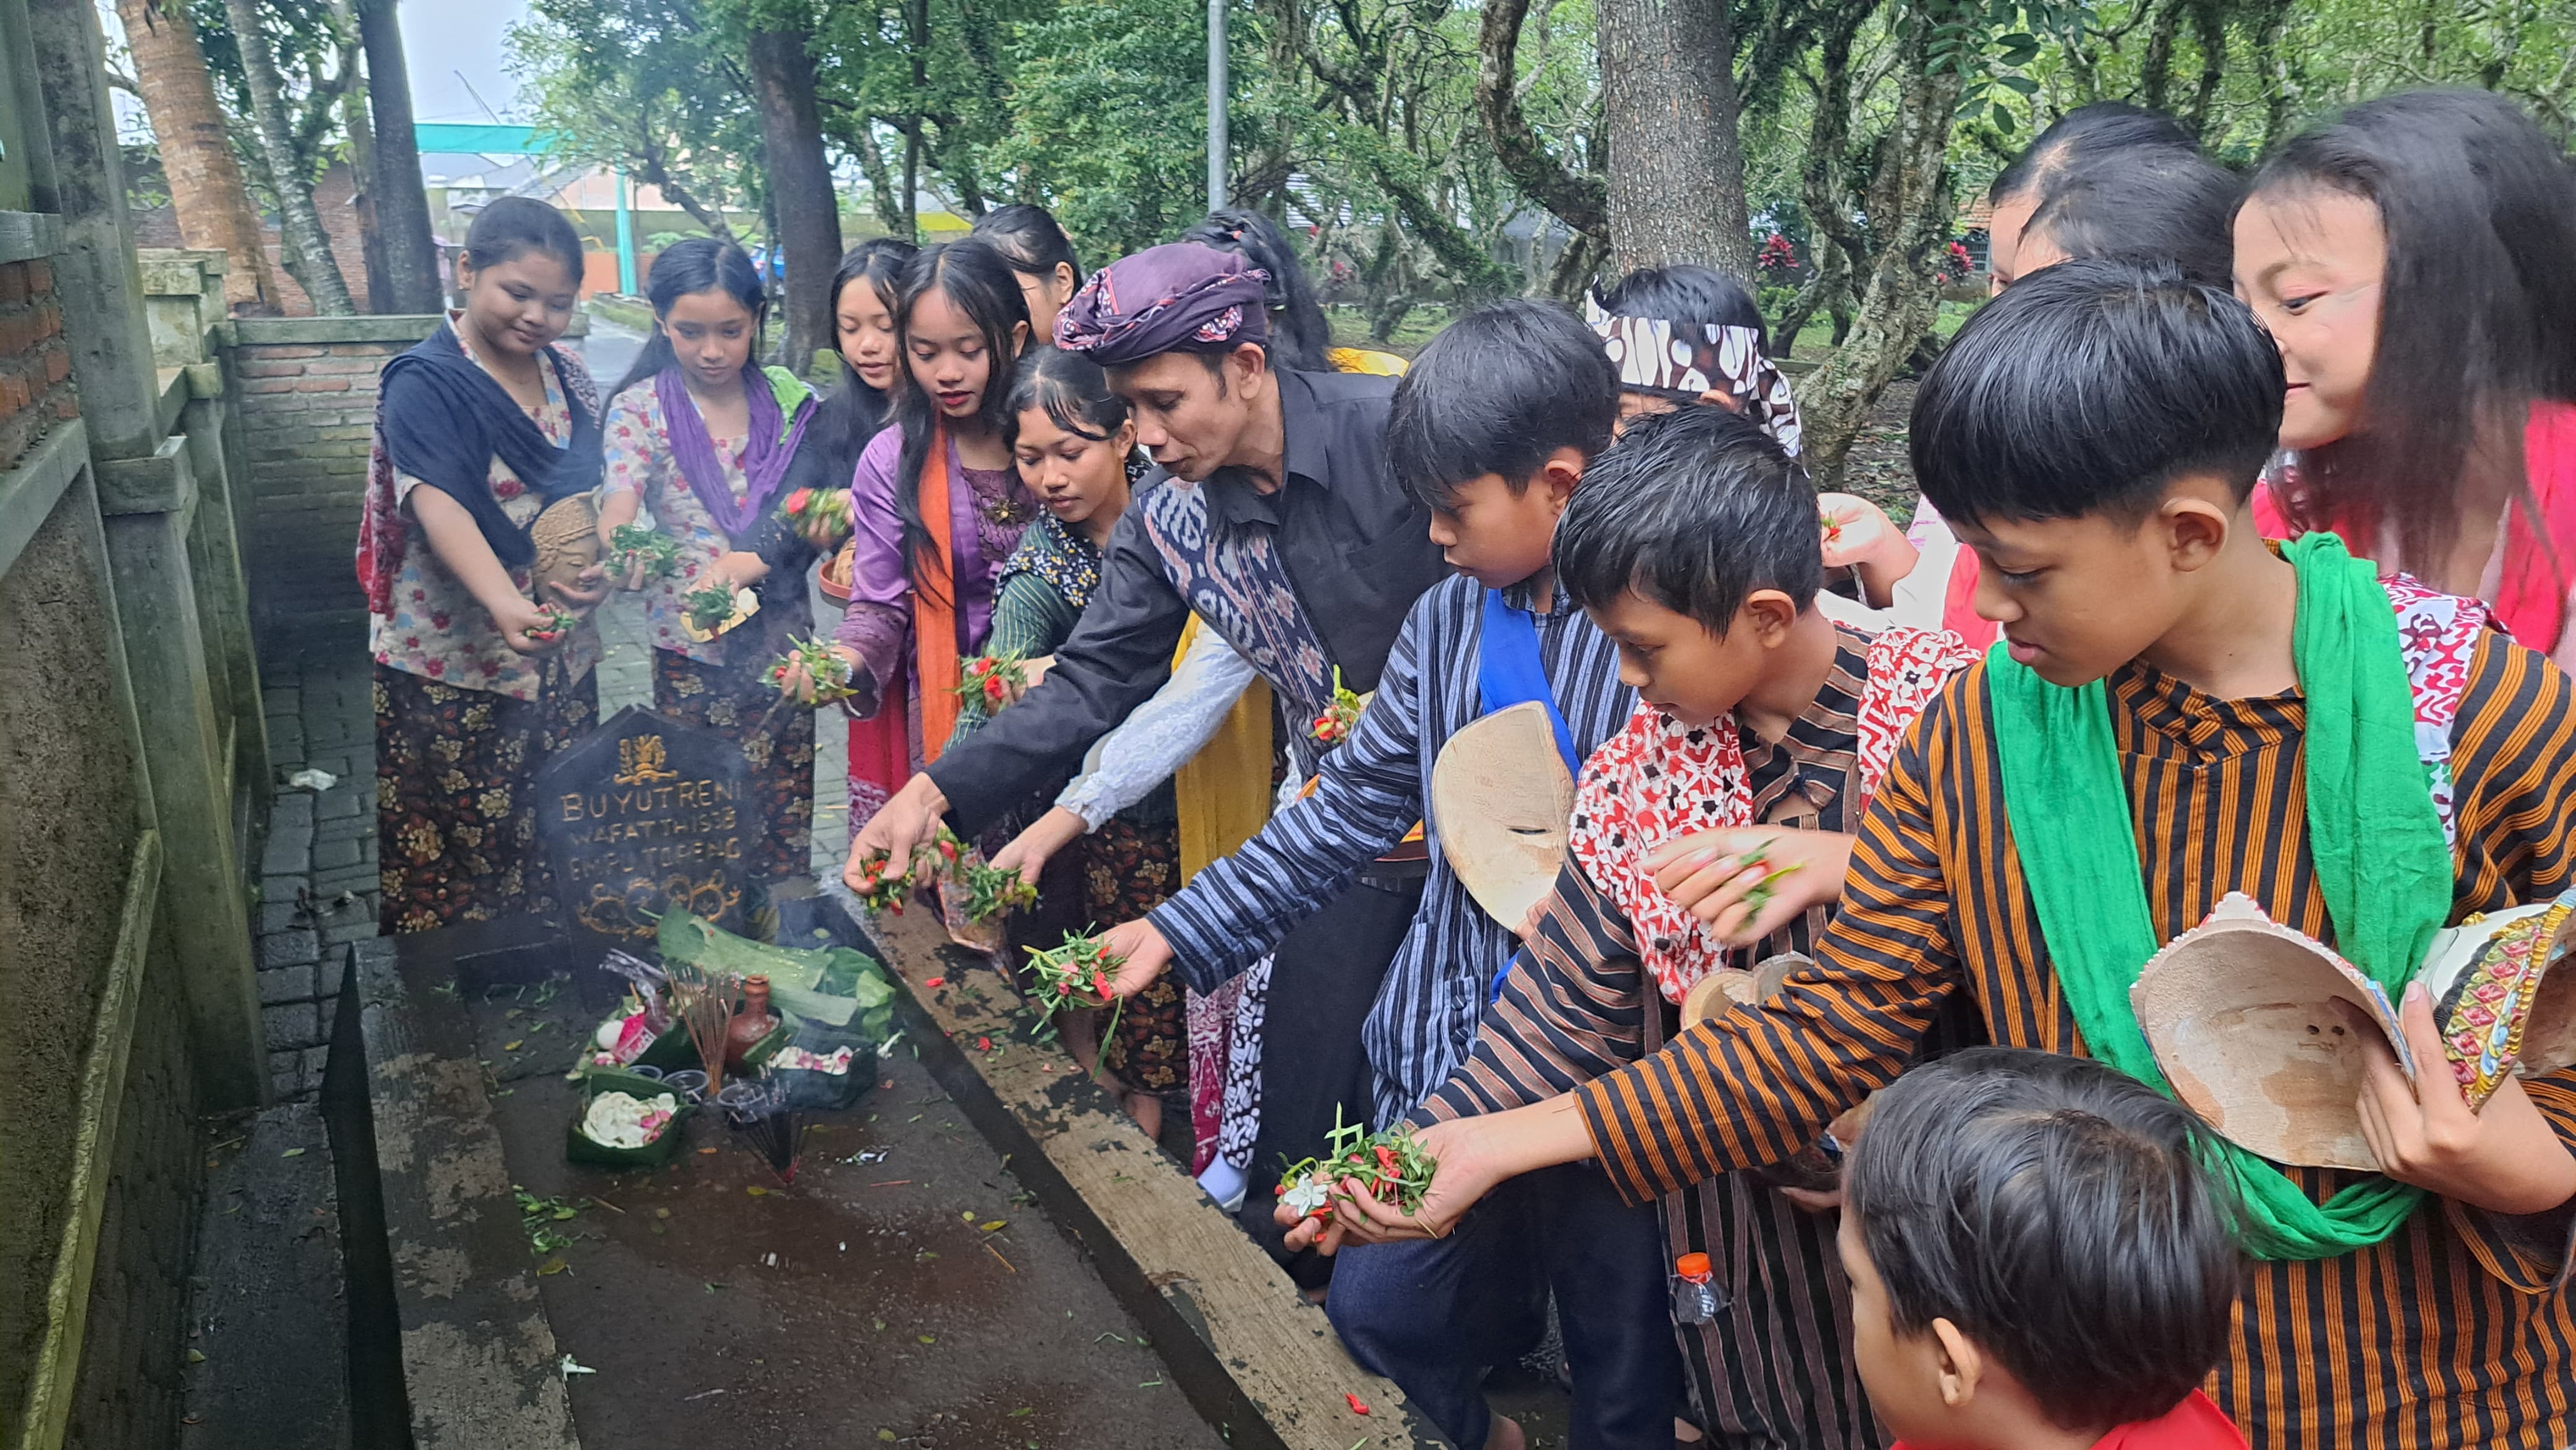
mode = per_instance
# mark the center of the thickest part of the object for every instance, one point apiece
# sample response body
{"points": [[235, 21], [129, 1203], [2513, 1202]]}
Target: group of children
{"points": [[1909, 1179]]}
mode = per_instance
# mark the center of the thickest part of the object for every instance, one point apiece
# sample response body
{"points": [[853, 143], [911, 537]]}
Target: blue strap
{"points": [[1509, 671]]}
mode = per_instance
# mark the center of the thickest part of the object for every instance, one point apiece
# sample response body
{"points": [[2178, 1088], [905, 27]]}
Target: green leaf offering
{"points": [[658, 552], [1390, 1166]]}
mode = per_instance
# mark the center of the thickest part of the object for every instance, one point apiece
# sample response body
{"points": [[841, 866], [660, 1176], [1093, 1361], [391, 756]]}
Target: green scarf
{"points": [[2381, 860]]}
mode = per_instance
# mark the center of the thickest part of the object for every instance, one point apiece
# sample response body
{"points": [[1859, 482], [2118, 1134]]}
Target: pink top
{"points": [[436, 629], [640, 461]]}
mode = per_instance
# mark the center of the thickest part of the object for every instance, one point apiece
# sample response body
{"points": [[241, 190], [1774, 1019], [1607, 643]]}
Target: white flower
{"points": [[1308, 1196]]}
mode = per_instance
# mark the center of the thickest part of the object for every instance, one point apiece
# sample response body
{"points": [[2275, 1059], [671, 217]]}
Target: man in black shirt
{"points": [[1272, 515]]}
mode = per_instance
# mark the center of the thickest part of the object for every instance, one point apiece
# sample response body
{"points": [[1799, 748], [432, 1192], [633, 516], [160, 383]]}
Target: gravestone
{"points": [[644, 814]]}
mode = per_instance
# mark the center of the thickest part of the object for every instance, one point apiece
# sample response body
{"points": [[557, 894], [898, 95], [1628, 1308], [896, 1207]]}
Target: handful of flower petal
{"points": [[1339, 718], [986, 683], [1390, 1166], [829, 672], [634, 544]]}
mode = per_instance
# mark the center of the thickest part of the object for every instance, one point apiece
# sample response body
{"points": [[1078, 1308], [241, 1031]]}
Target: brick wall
{"points": [[35, 366], [308, 409], [334, 200]]}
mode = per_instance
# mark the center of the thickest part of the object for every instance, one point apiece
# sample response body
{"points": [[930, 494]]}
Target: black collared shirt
{"points": [[1354, 548]]}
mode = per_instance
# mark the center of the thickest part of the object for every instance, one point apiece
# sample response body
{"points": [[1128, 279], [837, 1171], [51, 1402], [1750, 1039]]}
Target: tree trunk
{"points": [[362, 152], [1669, 106], [1909, 205], [872, 165], [808, 230], [308, 246], [207, 192], [415, 282]]}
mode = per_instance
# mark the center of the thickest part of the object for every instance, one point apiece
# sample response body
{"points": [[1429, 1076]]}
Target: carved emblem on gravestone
{"points": [[645, 814]]}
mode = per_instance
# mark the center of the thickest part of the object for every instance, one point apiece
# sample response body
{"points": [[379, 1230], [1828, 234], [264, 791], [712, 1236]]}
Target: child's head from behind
{"points": [[2033, 1241], [1693, 545], [521, 274], [1685, 294], [1070, 436], [1493, 426], [2094, 434]]}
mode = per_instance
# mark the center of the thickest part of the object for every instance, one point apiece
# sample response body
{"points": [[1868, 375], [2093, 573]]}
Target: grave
{"points": [[643, 814]]}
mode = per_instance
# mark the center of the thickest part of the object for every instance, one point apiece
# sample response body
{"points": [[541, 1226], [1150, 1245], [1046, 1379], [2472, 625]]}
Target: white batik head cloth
{"points": [[1685, 359]]}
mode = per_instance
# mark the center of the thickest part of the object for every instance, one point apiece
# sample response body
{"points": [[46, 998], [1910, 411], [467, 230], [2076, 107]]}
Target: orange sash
{"points": [[934, 611]]}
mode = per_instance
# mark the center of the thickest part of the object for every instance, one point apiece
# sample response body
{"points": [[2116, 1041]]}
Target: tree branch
{"points": [[1581, 202]]}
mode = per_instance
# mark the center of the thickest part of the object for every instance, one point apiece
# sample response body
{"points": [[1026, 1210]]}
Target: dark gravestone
{"points": [[644, 814]]}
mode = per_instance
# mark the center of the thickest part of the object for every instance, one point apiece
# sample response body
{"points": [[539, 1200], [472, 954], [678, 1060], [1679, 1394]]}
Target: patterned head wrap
{"points": [[1164, 298], [1685, 359]]}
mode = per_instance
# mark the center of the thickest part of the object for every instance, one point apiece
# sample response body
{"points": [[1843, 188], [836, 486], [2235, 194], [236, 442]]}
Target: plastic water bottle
{"points": [[1696, 1297]]}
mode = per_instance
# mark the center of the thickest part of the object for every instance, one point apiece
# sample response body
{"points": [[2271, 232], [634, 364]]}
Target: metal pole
{"points": [[1216, 104], [625, 236]]}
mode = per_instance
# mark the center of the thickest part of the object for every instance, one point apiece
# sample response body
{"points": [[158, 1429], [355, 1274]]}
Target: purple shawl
{"points": [[765, 454]]}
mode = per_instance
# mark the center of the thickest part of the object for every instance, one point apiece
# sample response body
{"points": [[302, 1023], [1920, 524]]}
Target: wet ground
{"points": [[902, 1291]]}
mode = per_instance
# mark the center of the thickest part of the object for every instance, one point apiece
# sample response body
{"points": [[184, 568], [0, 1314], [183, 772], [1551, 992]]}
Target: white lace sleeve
{"points": [[1125, 765]]}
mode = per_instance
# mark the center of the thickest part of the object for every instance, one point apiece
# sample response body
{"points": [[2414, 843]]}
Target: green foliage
{"points": [[1108, 123]]}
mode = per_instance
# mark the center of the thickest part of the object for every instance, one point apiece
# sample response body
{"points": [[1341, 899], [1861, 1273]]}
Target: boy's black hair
{"points": [[1683, 292], [1497, 392], [2089, 387], [2151, 206], [2100, 129], [1693, 509], [2058, 1212]]}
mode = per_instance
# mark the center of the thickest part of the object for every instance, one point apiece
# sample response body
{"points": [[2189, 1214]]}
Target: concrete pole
{"points": [[1216, 104]]}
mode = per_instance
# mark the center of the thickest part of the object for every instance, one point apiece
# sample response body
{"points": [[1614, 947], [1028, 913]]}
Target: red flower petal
{"points": [[1356, 1407]]}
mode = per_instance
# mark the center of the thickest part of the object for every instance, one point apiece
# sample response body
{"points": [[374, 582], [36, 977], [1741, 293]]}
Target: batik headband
{"points": [[1173, 296], [1686, 359]]}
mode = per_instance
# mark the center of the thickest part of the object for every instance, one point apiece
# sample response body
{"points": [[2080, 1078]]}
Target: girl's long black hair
{"points": [[2477, 308], [685, 269], [977, 280], [1073, 391], [1299, 335], [846, 420], [1030, 239]]}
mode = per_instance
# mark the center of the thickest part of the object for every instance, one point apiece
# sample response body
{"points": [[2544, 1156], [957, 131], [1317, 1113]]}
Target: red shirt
{"points": [[2195, 1424]]}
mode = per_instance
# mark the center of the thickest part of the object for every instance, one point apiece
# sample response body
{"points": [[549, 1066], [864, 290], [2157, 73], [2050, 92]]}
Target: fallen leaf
{"points": [[196, 1356], [509, 1047], [571, 1366], [886, 1435], [880, 1326], [930, 1339], [661, 1213], [551, 1266], [994, 1225], [292, 1153], [756, 1191]]}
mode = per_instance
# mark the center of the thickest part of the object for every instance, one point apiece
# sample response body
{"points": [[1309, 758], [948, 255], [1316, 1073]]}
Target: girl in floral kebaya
{"points": [[706, 439], [482, 669]]}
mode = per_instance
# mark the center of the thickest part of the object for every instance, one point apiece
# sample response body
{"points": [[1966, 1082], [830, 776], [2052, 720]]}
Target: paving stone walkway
{"points": [[317, 875]]}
